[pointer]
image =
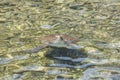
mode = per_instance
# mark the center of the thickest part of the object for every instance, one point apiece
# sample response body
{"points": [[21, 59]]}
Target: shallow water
{"points": [[95, 57]]}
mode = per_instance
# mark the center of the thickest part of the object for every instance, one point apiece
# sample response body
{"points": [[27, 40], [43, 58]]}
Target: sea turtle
{"points": [[54, 40]]}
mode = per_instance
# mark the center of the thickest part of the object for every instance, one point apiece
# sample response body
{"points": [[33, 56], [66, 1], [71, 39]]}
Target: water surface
{"points": [[95, 22]]}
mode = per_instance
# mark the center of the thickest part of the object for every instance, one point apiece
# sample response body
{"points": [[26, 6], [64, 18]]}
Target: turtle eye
{"points": [[61, 38]]}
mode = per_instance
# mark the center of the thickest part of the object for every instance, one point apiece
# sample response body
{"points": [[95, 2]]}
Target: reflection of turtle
{"points": [[54, 40]]}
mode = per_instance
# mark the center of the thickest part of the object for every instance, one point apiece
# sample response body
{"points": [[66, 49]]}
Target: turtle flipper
{"points": [[34, 50]]}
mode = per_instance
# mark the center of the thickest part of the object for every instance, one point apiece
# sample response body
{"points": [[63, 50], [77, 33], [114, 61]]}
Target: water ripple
{"points": [[107, 73]]}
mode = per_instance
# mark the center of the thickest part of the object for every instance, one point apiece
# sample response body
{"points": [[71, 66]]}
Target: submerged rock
{"points": [[46, 26], [108, 45], [104, 73], [29, 68], [15, 58]]}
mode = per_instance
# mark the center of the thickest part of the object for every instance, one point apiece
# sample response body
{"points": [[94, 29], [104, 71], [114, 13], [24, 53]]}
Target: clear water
{"points": [[95, 57]]}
